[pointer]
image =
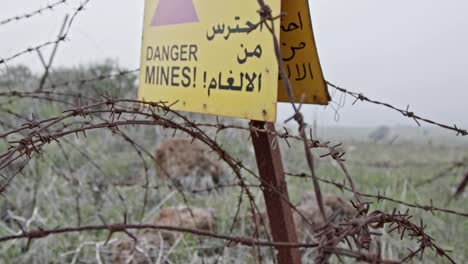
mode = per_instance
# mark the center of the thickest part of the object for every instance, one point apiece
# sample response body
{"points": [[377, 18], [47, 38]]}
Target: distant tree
{"points": [[16, 77], [380, 134], [117, 86]]}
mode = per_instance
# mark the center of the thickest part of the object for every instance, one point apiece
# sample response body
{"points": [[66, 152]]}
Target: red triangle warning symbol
{"points": [[171, 12]]}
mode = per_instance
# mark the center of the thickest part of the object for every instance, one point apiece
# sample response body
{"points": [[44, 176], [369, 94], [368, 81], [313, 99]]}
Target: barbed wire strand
{"points": [[124, 112], [32, 14], [61, 38], [405, 112]]}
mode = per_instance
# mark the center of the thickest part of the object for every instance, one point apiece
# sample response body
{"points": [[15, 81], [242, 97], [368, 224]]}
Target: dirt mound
{"points": [[191, 164], [152, 243]]}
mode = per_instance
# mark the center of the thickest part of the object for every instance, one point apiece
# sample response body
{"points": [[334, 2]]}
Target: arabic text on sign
{"points": [[257, 52], [293, 26], [247, 81], [226, 32]]}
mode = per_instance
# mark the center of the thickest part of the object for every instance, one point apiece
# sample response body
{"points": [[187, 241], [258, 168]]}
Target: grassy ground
{"points": [[88, 181], [52, 187]]}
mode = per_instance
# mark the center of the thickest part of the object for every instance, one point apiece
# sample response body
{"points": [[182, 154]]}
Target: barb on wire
{"points": [[405, 112], [39, 11]]}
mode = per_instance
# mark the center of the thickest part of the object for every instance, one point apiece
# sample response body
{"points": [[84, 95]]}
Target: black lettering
{"points": [[174, 53], [185, 74], [301, 77], [193, 52], [183, 52], [157, 74], [149, 53], [175, 75], [194, 76], [311, 72], [260, 82], [149, 76], [165, 53], [157, 54], [165, 76]]}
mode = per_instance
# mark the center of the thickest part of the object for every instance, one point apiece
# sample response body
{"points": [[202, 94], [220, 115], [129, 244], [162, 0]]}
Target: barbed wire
{"points": [[333, 152], [357, 96], [455, 165], [61, 38], [379, 197], [39, 11], [37, 138], [85, 114], [405, 112], [124, 228], [399, 222]]}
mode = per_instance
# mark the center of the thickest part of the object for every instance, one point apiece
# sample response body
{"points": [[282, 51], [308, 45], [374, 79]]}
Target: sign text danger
{"points": [[184, 76]]}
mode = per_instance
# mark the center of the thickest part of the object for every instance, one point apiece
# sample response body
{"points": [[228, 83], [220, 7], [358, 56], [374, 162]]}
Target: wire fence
{"points": [[28, 139], [60, 39], [34, 13], [405, 112]]}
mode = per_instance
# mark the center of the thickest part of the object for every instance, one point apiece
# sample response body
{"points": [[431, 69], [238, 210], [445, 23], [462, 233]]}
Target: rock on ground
{"points": [[191, 164]]}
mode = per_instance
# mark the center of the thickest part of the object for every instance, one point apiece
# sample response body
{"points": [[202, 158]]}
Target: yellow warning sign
{"points": [[213, 57], [300, 55], [207, 57]]}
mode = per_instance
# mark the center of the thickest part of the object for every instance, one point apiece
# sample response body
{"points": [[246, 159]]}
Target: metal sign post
{"points": [[275, 191]]}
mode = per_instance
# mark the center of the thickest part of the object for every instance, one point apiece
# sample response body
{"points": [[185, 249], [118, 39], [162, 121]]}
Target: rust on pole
{"points": [[275, 192]]}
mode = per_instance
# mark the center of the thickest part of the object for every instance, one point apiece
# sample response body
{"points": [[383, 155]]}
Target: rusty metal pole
{"points": [[271, 171]]}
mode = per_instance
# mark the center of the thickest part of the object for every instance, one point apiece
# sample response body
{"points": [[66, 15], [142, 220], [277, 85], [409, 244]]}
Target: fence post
{"points": [[271, 171]]}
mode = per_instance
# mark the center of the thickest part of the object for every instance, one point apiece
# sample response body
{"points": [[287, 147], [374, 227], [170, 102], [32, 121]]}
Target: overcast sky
{"points": [[399, 51]]}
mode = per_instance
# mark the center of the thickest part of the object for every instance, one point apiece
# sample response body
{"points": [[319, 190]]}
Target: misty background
{"points": [[401, 52]]}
